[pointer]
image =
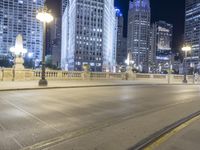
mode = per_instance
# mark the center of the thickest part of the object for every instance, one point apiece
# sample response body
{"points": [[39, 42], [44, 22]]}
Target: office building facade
{"points": [[138, 32], [192, 33], [192, 26], [54, 41], [88, 35], [121, 40], [64, 5], [19, 17], [160, 44]]}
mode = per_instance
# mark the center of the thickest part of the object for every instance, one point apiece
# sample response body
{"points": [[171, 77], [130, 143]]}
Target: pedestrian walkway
{"points": [[186, 139], [5, 85], [29, 85]]}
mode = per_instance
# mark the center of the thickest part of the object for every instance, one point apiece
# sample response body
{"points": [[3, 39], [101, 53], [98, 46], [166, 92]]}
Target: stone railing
{"points": [[98, 75], [10, 74], [164, 77]]}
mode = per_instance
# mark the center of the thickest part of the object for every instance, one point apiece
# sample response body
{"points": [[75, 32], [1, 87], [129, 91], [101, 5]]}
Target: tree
{"points": [[6, 61], [29, 63], [48, 63]]}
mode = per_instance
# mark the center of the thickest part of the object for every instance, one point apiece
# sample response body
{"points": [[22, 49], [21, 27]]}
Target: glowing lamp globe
{"points": [[44, 16], [186, 48]]}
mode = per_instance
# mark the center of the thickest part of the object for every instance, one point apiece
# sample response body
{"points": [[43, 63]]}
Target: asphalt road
{"points": [[31, 117]]}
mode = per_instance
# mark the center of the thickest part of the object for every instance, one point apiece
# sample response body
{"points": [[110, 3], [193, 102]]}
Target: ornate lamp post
{"points": [[185, 49], [192, 65], [170, 68], [44, 15]]}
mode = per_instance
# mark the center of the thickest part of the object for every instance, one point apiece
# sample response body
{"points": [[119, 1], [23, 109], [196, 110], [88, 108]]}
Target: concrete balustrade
{"points": [[71, 75], [19, 75], [10, 74], [143, 76], [98, 75], [158, 76], [115, 76], [7, 75], [1, 74]]}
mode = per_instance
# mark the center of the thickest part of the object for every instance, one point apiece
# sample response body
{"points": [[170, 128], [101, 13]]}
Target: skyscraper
{"points": [[88, 35], [121, 40], [19, 17], [138, 32], [192, 26], [54, 41], [64, 5], [160, 43]]}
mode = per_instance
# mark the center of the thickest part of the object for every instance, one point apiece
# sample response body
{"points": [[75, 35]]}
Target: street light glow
{"points": [[186, 48], [44, 17], [30, 55]]}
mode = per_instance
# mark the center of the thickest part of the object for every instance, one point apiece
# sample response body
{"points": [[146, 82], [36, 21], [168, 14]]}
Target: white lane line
{"points": [[93, 128], [12, 137]]}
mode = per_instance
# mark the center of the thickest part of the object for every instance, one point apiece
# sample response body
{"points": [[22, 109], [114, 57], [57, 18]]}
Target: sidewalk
{"points": [[17, 85], [186, 139], [29, 85]]}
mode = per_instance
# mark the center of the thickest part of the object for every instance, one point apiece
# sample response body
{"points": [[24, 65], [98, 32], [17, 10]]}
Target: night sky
{"points": [[171, 11]]}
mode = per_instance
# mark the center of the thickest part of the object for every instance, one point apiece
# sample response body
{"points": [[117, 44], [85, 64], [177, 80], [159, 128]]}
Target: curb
{"points": [[157, 135], [68, 87], [87, 86]]}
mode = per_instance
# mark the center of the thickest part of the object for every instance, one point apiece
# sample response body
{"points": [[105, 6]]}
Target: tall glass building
{"points": [[138, 32], [19, 17], [53, 41], [121, 40], [192, 26], [88, 35], [64, 5]]}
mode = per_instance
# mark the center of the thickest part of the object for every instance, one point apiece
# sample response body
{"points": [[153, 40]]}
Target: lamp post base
{"points": [[43, 82], [185, 79]]}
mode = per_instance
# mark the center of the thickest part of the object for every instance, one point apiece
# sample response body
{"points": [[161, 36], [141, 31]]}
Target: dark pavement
{"points": [[31, 117]]}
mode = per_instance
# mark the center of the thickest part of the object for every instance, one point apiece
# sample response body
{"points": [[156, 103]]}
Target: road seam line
{"points": [[33, 116], [12, 137], [84, 131]]}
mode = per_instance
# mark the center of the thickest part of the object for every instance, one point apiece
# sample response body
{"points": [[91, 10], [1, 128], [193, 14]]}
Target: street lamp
{"points": [[185, 49], [170, 67], [192, 65], [44, 16]]}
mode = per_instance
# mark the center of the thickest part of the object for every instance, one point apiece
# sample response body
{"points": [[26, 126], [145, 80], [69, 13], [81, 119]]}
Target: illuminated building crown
{"points": [[118, 12], [139, 4]]}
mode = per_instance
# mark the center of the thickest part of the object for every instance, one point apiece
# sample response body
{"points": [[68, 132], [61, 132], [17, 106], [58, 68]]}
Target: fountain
{"points": [[19, 52]]}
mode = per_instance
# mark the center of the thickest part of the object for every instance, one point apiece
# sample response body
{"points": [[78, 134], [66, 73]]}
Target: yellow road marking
{"points": [[165, 137]]}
